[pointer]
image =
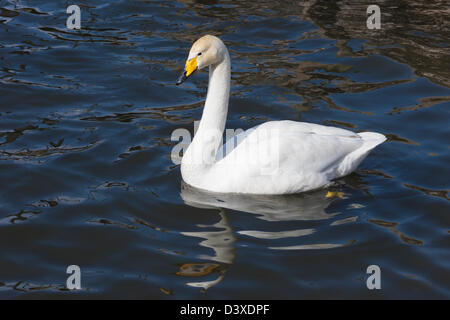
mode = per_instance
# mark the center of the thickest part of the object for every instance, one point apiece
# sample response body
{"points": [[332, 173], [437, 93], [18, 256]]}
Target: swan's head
{"points": [[206, 51]]}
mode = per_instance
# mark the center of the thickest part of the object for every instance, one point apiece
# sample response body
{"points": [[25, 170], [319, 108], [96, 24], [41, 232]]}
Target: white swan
{"points": [[276, 157]]}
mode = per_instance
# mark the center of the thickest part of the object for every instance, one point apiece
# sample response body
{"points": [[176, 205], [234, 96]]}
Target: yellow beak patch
{"points": [[191, 66]]}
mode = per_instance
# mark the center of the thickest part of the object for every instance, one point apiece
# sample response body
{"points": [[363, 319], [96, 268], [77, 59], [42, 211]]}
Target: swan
{"points": [[273, 158]]}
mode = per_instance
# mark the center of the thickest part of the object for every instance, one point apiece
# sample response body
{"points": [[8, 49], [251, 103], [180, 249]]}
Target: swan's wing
{"points": [[289, 154], [302, 127], [309, 145], [287, 157]]}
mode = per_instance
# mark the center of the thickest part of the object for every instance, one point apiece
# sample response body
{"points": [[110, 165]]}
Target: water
{"points": [[87, 179]]}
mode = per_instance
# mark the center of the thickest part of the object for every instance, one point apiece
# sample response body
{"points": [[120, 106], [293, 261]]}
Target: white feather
{"points": [[276, 157]]}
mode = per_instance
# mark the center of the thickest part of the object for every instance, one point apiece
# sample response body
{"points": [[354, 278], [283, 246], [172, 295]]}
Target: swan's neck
{"points": [[208, 138]]}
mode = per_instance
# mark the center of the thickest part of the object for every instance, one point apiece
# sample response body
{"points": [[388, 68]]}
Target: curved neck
{"points": [[208, 137]]}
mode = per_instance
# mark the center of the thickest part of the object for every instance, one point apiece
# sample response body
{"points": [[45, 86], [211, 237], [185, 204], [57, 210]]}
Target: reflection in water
{"points": [[222, 243], [300, 207], [297, 207]]}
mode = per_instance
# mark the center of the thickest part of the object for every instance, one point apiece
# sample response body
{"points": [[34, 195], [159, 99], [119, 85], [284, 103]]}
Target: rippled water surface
{"points": [[87, 178]]}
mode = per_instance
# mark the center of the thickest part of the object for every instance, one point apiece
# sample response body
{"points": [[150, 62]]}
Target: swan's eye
{"points": [[199, 54]]}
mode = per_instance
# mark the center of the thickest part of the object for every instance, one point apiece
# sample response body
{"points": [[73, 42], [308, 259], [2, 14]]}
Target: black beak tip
{"points": [[181, 79]]}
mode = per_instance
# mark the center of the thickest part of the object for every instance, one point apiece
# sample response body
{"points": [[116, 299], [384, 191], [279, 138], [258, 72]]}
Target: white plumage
{"points": [[276, 157]]}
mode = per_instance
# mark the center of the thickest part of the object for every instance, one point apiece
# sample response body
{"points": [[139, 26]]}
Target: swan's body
{"points": [[276, 157]]}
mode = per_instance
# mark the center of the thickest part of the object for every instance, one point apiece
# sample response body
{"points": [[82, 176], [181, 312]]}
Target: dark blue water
{"points": [[87, 178]]}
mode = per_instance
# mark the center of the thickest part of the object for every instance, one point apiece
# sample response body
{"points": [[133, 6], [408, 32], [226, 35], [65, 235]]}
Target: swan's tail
{"points": [[350, 162], [371, 139]]}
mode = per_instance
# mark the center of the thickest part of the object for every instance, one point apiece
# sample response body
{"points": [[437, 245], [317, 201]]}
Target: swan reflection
{"points": [[305, 206], [221, 242], [301, 207]]}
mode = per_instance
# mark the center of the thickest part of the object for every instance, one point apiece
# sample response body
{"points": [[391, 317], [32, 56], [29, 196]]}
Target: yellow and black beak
{"points": [[191, 66]]}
